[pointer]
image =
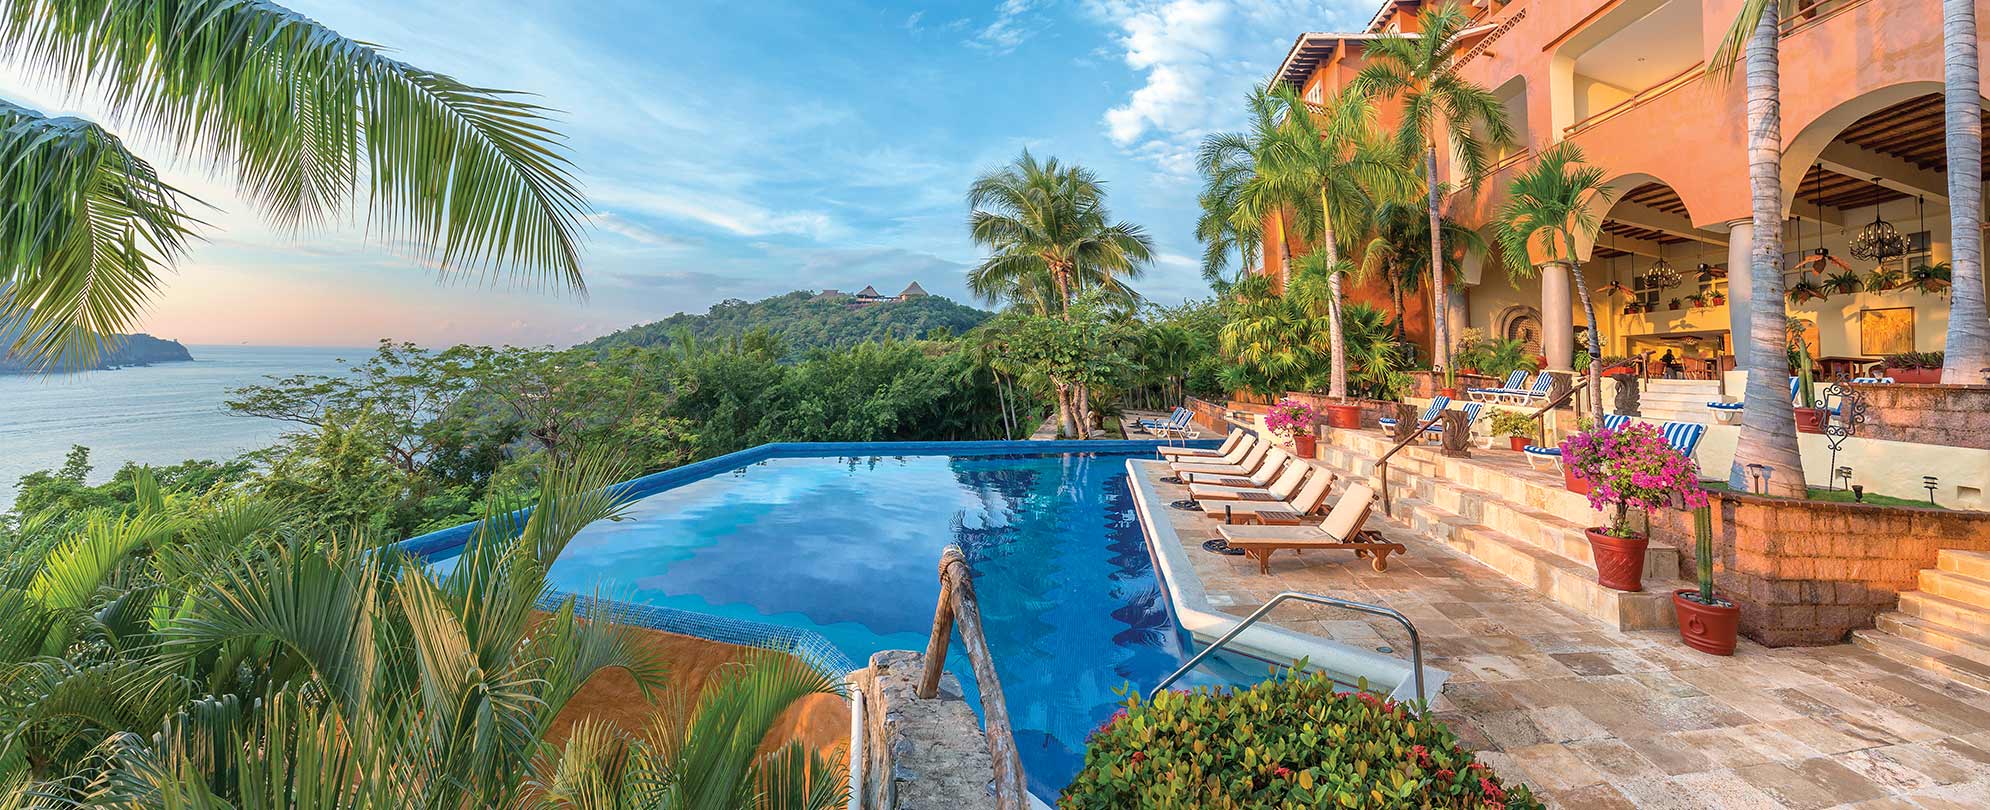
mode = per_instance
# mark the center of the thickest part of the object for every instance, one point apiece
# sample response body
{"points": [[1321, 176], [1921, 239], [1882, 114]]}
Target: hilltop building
{"points": [[870, 295]]}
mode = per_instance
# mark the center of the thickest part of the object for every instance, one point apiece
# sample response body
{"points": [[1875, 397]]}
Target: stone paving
{"points": [[1594, 718]]}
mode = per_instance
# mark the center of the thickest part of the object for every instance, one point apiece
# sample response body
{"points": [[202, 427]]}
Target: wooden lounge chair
{"points": [[1341, 530], [1307, 501], [1235, 456], [1259, 476], [1295, 471], [1245, 466], [1204, 453]]}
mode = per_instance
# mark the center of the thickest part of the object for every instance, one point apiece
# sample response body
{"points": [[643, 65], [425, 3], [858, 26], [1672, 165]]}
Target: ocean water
{"points": [[160, 414]]}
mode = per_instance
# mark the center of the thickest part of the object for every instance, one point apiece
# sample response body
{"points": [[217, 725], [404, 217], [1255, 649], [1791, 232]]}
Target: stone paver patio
{"points": [[1595, 718]]}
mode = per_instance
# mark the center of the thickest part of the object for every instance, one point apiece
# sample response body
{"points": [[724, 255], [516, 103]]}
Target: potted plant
{"points": [[1345, 415], [1885, 279], [1450, 387], [1614, 364], [1844, 282], [1631, 469], [1515, 426], [1674, 305], [1806, 289], [1810, 417], [1292, 419], [1914, 367], [1716, 298], [1929, 278], [1696, 301], [1707, 622]]}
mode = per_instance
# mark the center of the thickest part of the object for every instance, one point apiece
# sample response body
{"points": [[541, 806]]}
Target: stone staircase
{"points": [[1527, 528], [1679, 400], [1943, 628]]}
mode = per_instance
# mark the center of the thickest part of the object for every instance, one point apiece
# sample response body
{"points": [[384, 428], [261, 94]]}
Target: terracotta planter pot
{"points": [[1919, 376], [1518, 443], [1707, 628], [1344, 416], [1619, 370], [1809, 420], [1620, 561], [1448, 392], [1305, 444], [1572, 483]]}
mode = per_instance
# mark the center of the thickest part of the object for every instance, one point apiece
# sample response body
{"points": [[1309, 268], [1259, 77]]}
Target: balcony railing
{"points": [[1807, 16], [1641, 98]]}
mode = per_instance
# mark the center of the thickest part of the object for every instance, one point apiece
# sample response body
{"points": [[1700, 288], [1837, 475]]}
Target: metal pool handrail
{"points": [[1416, 642], [958, 606]]}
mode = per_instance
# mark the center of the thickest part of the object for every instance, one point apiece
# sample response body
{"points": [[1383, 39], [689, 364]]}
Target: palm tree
{"points": [[1218, 227], [1268, 342], [1423, 72], [1968, 343], [1330, 150], [1400, 251], [304, 118], [1256, 197], [1553, 206], [1050, 233], [1768, 426]]}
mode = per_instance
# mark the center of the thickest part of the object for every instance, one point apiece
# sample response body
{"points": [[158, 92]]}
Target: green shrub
{"points": [[1913, 360], [1511, 423], [1289, 742]]}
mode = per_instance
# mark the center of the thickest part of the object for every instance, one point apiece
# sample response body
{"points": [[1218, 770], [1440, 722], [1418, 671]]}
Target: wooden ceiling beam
{"points": [[1670, 224]]}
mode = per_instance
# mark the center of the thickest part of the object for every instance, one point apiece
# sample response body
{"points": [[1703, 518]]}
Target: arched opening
{"points": [[1865, 243], [1520, 323], [1660, 284]]}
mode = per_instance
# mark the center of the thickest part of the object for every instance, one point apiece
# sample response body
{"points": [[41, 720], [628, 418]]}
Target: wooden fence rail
{"points": [[958, 607]]}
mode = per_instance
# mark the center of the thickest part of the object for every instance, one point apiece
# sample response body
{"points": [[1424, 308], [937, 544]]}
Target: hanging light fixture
{"points": [[1661, 275], [1878, 241]]}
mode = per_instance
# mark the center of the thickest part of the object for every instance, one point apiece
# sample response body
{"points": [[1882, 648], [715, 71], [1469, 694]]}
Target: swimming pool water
{"points": [[849, 547]]}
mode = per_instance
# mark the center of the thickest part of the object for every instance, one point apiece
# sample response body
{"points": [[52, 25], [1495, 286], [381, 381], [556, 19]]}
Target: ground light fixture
{"points": [[1845, 473], [1929, 483], [1758, 475]]}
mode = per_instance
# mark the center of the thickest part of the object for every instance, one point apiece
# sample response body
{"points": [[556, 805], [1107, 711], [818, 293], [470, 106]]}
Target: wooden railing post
{"points": [[1455, 434], [1406, 419], [958, 606]]}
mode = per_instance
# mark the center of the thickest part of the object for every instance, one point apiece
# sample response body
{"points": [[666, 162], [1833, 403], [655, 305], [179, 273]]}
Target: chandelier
{"points": [[1878, 241], [1661, 275]]}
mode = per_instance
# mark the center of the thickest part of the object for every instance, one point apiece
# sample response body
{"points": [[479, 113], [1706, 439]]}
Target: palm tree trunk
{"points": [[1595, 345], [1768, 428], [1336, 349], [1084, 408], [1064, 423], [1440, 295], [1968, 343], [1285, 255]]}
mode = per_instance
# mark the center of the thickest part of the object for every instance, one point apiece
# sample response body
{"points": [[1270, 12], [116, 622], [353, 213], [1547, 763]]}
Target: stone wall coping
{"points": [[1862, 509]]}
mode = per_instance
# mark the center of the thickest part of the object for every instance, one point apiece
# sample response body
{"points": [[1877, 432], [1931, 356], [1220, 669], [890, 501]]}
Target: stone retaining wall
{"points": [[920, 754], [1947, 415], [1810, 572]]}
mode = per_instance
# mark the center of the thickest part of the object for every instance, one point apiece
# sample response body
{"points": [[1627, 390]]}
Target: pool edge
{"points": [[1205, 622]]}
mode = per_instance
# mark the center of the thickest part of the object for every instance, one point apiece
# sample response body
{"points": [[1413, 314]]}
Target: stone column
{"points": [[1557, 315], [1458, 312], [1740, 240]]}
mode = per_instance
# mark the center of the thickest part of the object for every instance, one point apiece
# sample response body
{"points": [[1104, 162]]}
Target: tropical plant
{"points": [[189, 654], [1378, 363], [1631, 469], [1931, 278], [1968, 339], [1884, 279], [1221, 226], [1844, 282], [1913, 360], [1511, 423], [703, 757], [1267, 340], [302, 117], [1703, 555], [1330, 150], [1050, 235], [1806, 374], [1550, 208], [1294, 740], [1423, 72], [1399, 251], [1254, 198], [1768, 429]]}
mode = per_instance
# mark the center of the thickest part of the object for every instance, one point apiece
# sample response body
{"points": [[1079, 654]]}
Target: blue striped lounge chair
{"points": [[1522, 396], [1538, 455], [1728, 413], [1513, 381], [1872, 380], [1436, 405], [1471, 417], [1175, 421], [1683, 436]]}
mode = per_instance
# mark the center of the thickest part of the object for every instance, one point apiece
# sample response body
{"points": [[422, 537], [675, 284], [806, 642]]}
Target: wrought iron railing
{"points": [[1382, 464], [959, 608], [1416, 641]]}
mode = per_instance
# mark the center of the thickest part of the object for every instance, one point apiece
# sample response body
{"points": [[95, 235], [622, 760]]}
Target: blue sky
{"points": [[739, 150]]}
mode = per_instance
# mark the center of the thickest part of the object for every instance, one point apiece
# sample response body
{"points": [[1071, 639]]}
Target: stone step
{"points": [[1546, 553], [1960, 587], [1941, 637], [1924, 657], [1967, 563], [1959, 616], [1681, 385]]}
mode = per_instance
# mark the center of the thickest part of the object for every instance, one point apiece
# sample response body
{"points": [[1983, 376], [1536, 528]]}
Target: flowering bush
{"points": [[1290, 417], [1292, 741], [1632, 469]]}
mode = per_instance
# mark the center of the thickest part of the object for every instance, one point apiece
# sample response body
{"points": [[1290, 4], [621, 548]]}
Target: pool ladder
{"points": [[1416, 641]]}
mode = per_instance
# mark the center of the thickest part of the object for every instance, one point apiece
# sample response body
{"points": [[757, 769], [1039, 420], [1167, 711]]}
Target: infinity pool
{"points": [[848, 547]]}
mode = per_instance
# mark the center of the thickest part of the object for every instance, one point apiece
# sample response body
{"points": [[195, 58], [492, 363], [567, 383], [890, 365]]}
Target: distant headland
{"points": [[125, 350]]}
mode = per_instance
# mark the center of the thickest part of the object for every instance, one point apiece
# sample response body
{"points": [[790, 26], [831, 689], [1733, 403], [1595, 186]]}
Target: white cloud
{"points": [[1196, 60], [912, 22], [1012, 27], [722, 211], [633, 231]]}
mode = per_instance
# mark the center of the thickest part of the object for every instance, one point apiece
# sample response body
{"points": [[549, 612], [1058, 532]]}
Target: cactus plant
{"points": [[1703, 551]]}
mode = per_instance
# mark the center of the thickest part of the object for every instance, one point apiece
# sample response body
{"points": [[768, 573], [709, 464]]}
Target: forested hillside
{"points": [[803, 323]]}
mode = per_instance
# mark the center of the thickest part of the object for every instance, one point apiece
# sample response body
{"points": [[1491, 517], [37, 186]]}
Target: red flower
{"points": [[1446, 774], [1477, 766], [1139, 757], [1491, 790], [1281, 772], [1422, 755]]}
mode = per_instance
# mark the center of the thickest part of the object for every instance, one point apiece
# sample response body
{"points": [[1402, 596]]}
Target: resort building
{"points": [[1863, 136], [1862, 129]]}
